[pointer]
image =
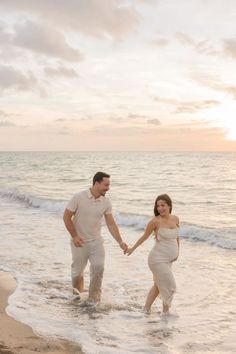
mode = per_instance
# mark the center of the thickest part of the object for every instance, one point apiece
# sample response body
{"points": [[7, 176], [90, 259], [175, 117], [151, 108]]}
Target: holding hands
{"points": [[123, 246], [129, 251]]}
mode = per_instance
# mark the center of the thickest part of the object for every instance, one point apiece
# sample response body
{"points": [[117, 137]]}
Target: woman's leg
{"points": [[164, 280], [151, 297]]}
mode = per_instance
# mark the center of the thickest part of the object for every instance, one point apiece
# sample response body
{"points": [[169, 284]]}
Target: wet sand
{"points": [[18, 338]]}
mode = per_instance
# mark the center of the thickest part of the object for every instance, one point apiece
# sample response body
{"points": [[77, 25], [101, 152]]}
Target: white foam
{"points": [[34, 202], [223, 237]]}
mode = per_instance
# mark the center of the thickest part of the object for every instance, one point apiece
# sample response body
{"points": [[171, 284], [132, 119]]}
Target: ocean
{"points": [[35, 246]]}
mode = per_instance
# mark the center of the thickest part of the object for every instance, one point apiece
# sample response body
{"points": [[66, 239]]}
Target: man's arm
{"points": [[114, 231], [67, 217]]}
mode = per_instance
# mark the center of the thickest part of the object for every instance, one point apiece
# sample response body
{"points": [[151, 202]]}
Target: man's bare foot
{"points": [[80, 284], [165, 309], [76, 298]]}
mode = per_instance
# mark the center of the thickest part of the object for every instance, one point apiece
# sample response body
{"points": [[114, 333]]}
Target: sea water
{"points": [[35, 246]]}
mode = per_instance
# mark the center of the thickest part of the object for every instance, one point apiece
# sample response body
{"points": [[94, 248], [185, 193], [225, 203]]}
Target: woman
{"points": [[165, 251]]}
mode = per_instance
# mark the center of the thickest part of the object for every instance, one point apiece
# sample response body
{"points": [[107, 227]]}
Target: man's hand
{"points": [[175, 259], [78, 242]]}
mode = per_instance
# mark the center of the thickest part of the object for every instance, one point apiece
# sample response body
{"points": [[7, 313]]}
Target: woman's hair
{"points": [[164, 197]]}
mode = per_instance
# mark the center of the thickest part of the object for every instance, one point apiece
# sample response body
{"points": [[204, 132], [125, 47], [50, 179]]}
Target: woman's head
{"points": [[162, 201]]}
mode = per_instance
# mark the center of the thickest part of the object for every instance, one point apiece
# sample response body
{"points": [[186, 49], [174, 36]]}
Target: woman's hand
{"points": [[155, 235], [129, 251]]}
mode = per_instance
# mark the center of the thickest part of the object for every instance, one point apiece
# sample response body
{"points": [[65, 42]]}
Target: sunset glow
{"points": [[118, 75]]}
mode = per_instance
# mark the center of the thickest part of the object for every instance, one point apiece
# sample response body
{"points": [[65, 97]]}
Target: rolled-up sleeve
{"points": [[73, 204], [108, 208]]}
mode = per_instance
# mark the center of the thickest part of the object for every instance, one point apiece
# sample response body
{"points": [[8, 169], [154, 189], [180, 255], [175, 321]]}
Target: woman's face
{"points": [[162, 207]]}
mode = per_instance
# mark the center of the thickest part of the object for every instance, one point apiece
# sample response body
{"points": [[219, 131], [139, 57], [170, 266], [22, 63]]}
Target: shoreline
{"points": [[19, 338]]}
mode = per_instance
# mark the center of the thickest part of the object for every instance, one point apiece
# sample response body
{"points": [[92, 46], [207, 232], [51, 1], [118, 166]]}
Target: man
{"points": [[82, 218]]}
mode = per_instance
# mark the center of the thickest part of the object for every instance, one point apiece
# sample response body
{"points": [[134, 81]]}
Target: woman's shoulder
{"points": [[175, 218], [156, 220]]}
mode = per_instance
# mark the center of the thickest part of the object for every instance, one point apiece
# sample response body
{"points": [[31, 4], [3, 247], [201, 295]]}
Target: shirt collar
{"points": [[90, 196]]}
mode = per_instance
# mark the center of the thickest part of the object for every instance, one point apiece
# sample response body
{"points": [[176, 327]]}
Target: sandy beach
{"points": [[18, 338]]}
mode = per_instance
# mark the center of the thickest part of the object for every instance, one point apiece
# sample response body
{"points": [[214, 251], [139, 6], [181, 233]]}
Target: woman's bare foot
{"points": [[147, 310]]}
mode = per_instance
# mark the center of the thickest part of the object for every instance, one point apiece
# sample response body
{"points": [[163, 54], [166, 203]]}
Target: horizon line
{"points": [[120, 151]]}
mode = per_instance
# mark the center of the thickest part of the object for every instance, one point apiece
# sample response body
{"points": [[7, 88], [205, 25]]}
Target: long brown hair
{"points": [[164, 197]]}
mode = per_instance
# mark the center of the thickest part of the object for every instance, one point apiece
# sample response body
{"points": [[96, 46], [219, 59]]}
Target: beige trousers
{"points": [[93, 252]]}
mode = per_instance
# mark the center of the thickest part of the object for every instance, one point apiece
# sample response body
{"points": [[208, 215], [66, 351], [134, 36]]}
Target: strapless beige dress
{"points": [[160, 260]]}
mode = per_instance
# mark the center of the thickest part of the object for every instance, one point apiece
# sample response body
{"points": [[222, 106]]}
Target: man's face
{"points": [[103, 186]]}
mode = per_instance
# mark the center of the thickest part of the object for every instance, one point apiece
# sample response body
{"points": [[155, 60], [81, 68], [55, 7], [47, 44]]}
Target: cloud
{"points": [[160, 42], [193, 107], [13, 78], [136, 116], [4, 114], [169, 101], [60, 120], [60, 71], [202, 46], [7, 50], [230, 47], [198, 136], [44, 39], [188, 106], [92, 17], [231, 90], [215, 84], [195, 136], [185, 39], [119, 131], [6, 123], [64, 132], [5, 37], [134, 119], [117, 119], [153, 121], [184, 134]]}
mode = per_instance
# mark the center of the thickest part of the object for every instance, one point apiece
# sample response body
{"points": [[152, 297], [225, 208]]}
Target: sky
{"points": [[118, 75]]}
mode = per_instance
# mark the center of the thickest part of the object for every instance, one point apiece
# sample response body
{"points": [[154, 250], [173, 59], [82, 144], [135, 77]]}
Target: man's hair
{"points": [[98, 177]]}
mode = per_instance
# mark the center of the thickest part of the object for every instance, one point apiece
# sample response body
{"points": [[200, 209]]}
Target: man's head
{"points": [[101, 182]]}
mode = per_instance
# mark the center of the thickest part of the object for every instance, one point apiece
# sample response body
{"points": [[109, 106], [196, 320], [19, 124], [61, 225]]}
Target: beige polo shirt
{"points": [[88, 214]]}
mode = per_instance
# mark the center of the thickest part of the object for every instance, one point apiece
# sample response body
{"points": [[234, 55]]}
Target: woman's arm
{"points": [[177, 239], [177, 223], [151, 226]]}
